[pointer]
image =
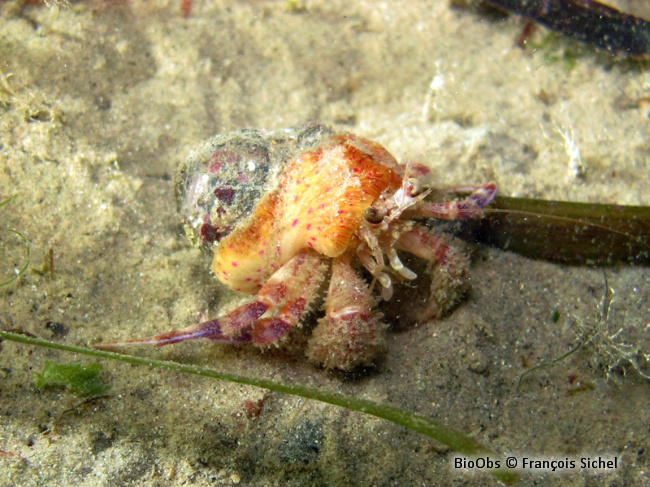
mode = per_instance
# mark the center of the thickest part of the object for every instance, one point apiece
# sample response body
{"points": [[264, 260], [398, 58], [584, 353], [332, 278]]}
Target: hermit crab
{"points": [[285, 211]]}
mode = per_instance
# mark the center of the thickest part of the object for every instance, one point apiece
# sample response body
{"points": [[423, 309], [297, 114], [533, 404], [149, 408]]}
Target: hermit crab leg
{"points": [[241, 318], [469, 207], [350, 333], [298, 282], [447, 268], [293, 287]]}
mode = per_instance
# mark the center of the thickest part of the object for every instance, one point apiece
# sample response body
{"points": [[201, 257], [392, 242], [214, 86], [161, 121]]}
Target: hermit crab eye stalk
{"points": [[415, 186], [373, 215]]}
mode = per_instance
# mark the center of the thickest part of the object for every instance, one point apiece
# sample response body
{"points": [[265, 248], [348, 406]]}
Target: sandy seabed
{"points": [[101, 101]]}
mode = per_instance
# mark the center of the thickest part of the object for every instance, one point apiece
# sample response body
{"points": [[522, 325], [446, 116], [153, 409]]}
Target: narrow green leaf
{"points": [[448, 436]]}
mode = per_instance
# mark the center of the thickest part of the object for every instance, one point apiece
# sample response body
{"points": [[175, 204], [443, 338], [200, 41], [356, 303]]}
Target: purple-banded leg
{"points": [[469, 207], [291, 288]]}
